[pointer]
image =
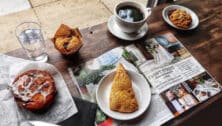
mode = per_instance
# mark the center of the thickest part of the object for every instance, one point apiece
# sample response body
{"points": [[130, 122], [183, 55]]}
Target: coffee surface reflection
{"points": [[130, 14]]}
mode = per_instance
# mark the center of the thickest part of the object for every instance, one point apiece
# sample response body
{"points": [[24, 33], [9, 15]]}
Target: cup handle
{"points": [[149, 10]]}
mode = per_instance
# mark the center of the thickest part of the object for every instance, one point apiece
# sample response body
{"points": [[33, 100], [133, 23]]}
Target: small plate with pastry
{"points": [[180, 17], [123, 94]]}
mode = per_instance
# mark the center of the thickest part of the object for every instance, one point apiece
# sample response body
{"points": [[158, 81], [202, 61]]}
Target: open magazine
{"points": [[178, 81]]}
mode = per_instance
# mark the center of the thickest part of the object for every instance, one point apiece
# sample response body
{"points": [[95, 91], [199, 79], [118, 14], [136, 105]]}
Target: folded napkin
{"points": [[86, 114]]}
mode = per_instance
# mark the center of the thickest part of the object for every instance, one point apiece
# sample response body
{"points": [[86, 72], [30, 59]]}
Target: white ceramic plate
{"points": [[141, 89], [195, 19], [116, 31]]}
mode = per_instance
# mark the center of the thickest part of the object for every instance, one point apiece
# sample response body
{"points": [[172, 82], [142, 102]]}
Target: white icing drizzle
{"points": [[26, 94]]}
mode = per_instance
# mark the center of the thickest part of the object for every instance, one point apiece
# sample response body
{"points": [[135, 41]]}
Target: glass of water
{"points": [[30, 37]]}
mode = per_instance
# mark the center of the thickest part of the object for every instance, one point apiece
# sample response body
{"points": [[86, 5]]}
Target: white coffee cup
{"points": [[131, 27]]}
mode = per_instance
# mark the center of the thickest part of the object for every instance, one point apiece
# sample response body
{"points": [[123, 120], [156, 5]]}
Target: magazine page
{"points": [[189, 93], [178, 81], [170, 75], [171, 63], [88, 75], [175, 74]]}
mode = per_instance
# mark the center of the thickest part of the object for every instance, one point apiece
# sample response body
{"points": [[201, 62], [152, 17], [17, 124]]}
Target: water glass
{"points": [[31, 39]]}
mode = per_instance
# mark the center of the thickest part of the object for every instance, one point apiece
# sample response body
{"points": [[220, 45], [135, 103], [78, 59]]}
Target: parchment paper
{"points": [[11, 114]]}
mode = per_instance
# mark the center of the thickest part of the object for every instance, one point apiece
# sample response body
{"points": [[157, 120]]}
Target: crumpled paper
{"points": [[11, 114]]}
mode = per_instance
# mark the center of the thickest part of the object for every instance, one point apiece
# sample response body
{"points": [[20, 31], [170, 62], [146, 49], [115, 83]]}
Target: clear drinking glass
{"points": [[30, 37]]}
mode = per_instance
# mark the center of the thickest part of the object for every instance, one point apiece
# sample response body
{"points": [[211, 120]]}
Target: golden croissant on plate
{"points": [[122, 97]]}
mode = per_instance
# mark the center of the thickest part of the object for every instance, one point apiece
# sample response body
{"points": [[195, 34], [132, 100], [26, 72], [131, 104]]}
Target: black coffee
{"points": [[130, 14]]}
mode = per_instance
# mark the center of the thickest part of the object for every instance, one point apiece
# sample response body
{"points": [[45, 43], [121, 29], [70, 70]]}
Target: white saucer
{"points": [[116, 31], [140, 87]]}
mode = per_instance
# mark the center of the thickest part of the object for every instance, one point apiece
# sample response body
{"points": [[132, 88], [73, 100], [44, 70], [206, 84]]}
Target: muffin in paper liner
{"points": [[67, 41]]}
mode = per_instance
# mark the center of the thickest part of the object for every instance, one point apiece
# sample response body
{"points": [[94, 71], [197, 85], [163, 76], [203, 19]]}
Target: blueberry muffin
{"points": [[67, 41]]}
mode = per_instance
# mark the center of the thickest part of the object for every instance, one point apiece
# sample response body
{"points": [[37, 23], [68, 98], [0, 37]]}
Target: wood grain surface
{"points": [[204, 43]]}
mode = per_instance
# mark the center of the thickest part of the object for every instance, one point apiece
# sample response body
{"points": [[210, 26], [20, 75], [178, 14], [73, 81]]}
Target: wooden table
{"points": [[204, 43]]}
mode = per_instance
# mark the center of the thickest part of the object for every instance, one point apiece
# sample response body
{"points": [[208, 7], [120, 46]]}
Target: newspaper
{"points": [[62, 108], [178, 80]]}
